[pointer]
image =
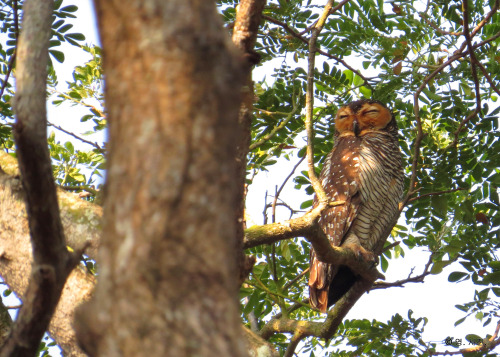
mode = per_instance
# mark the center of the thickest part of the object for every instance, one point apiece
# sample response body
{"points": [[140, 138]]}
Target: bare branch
{"points": [[400, 283], [278, 192], [316, 184], [248, 18], [52, 261], [437, 193], [487, 18], [94, 144]]}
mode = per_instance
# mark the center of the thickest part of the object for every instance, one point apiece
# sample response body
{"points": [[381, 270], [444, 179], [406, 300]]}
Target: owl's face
{"points": [[361, 116]]}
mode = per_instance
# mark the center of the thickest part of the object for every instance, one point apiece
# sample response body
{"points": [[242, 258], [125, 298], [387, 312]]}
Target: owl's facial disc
{"points": [[373, 116]]}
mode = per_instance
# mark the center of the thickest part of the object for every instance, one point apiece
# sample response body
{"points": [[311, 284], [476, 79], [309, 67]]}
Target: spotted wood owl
{"points": [[364, 169]]}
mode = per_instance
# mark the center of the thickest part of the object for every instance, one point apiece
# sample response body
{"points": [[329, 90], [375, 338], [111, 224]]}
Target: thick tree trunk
{"points": [[167, 284]]}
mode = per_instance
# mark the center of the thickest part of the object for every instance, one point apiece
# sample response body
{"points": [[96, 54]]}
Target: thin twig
{"points": [[473, 58], [437, 193], [80, 102], [436, 27], [286, 205], [94, 144], [294, 280], [10, 66], [318, 188], [488, 77], [400, 283], [301, 38], [260, 285], [289, 176], [278, 127], [79, 188], [418, 139]]}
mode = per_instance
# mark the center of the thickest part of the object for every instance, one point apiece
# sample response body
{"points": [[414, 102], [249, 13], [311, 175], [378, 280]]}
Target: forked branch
{"points": [[52, 262]]}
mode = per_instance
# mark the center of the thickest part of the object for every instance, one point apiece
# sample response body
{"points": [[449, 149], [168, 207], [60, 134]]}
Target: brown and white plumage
{"points": [[363, 169]]}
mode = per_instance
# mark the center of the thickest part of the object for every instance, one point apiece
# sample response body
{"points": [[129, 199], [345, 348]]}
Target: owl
{"points": [[365, 170]]}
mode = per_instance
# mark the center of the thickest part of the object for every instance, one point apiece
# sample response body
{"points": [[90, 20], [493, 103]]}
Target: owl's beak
{"points": [[355, 127]]}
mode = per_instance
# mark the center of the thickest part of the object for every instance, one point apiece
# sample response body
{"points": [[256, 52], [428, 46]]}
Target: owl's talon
{"points": [[361, 253]]}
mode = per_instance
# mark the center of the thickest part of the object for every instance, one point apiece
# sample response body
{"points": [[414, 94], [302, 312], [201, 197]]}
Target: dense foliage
{"points": [[413, 55], [400, 53]]}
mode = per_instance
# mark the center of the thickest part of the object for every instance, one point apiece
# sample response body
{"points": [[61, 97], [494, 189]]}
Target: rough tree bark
{"points": [[246, 26], [81, 223], [52, 262], [167, 282]]}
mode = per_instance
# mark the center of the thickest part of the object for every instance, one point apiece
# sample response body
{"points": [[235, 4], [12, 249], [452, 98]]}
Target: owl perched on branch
{"points": [[364, 169]]}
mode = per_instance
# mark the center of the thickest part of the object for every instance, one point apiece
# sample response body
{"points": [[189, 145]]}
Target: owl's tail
{"points": [[328, 284]]}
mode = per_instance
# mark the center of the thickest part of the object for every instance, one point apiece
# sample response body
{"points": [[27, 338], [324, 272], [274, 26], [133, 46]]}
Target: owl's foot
{"points": [[361, 253]]}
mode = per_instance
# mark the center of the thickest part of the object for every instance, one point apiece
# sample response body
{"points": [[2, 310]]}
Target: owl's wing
{"points": [[339, 178]]}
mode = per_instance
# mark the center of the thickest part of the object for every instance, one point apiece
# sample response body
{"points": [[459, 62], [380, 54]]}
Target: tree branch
{"points": [[52, 262], [301, 38], [306, 226], [486, 346], [437, 193], [94, 144], [316, 184], [278, 127], [409, 279], [326, 329], [248, 18], [82, 225]]}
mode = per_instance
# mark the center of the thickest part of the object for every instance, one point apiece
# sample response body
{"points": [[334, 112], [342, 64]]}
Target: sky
{"points": [[434, 299]]}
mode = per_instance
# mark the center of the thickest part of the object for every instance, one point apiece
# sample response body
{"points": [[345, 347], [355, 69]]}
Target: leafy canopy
{"points": [[412, 55]]}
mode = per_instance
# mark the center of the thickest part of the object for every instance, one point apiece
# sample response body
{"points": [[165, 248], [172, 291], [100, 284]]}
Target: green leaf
{"points": [[306, 204], [357, 81], [68, 145], [456, 276], [75, 36], [78, 177], [58, 55], [474, 339], [365, 91], [57, 24], [431, 95], [492, 278], [69, 8], [437, 267], [285, 250], [65, 28], [440, 205], [495, 265], [496, 291]]}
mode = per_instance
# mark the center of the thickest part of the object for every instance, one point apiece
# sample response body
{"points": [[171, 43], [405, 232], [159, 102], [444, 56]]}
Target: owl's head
{"points": [[363, 116]]}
